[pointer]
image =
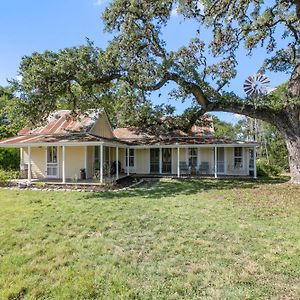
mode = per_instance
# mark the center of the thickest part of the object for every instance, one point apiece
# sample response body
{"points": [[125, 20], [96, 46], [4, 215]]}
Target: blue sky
{"points": [[35, 25]]}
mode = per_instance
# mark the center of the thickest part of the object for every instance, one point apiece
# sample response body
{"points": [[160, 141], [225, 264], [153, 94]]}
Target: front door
{"points": [[166, 160], [52, 162], [154, 160]]}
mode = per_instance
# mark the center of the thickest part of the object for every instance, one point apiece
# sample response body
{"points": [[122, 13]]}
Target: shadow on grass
{"points": [[168, 188]]}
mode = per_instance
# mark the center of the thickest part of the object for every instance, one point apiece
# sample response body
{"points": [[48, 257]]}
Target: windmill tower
{"points": [[255, 86]]}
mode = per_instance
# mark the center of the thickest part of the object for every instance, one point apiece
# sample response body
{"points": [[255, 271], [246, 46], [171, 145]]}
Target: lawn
{"points": [[170, 240]]}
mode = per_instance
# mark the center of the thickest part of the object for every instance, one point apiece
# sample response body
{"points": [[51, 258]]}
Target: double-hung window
{"points": [[131, 157], [193, 157], [238, 157]]}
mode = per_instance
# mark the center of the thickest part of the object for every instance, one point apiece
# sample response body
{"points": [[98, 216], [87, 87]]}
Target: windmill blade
{"points": [[256, 84]]}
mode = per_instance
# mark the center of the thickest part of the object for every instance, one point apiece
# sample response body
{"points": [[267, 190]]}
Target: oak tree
{"points": [[139, 55]]}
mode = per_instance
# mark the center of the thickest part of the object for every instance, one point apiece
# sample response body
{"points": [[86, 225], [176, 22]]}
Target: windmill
{"points": [[255, 86]]}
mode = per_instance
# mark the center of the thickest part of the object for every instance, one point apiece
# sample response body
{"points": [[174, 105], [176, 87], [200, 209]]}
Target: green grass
{"points": [[172, 240]]}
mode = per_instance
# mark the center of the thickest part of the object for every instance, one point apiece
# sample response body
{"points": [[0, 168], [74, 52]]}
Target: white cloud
{"points": [[238, 117], [200, 6], [99, 2], [174, 12]]}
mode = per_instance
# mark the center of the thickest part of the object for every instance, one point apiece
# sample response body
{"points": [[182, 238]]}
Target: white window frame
{"points": [[240, 157], [131, 156], [52, 164], [194, 156]]}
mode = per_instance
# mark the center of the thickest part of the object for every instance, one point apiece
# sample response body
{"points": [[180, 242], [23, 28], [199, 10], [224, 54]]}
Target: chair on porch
{"points": [[184, 168], [203, 168]]}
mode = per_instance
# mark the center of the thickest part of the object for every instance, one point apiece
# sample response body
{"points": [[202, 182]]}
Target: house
{"points": [[68, 148]]}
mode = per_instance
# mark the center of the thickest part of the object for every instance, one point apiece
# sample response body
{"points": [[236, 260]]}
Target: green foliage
{"points": [[265, 169], [224, 129], [274, 148], [11, 120], [9, 158], [6, 176]]}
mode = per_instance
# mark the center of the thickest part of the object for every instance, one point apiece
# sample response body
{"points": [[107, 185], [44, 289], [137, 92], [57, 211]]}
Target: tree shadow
{"points": [[156, 189]]}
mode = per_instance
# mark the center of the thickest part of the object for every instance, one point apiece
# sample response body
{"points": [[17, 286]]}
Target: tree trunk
{"points": [[293, 146]]}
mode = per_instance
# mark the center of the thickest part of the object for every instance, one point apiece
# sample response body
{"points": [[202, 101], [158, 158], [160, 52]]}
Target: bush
{"points": [[266, 170], [6, 176], [9, 158]]}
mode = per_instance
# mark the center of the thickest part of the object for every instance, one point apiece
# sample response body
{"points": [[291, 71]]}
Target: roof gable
{"points": [[63, 122]]}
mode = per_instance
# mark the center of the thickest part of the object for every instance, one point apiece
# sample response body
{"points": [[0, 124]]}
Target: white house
{"points": [[85, 146]]}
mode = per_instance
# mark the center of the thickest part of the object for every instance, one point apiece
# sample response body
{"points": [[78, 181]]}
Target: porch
{"points": [[74, 164], [188, 161]]}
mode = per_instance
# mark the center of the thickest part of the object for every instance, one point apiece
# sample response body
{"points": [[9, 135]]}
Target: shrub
{"points": [[265, 169], [6, 176], [9, 158]]}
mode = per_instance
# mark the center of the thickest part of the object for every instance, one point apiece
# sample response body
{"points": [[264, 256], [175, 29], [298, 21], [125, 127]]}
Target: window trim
{"points": [[195, 155], [239, 157], [132, 156]]}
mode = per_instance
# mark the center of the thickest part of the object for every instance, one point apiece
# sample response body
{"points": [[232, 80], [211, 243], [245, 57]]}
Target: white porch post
{"points": [[216, 164], [254, 163], [63, 164], [85, 160], [101, 163], [178, 162], [117, 163], [127, 161], [160, 161], [21, 156], [29, 164]]}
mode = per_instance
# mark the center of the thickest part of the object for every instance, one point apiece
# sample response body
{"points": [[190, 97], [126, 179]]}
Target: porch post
{"points": [[216, 165], [29, 164], [127, 161], [160, 161], [101, 163], [254, 163], [63, 164], [85, 160], [117, 163], [21, 156], [178, 162]]}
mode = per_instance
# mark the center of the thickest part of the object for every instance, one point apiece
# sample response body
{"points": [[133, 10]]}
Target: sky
{"points": [[35, 26]]}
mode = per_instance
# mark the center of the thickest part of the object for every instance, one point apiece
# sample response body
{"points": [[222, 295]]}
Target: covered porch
{"points": [[195, 160], [87, 164], [64, 162]]}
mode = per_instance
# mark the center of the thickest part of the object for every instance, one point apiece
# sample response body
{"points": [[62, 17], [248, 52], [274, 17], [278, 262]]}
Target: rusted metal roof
{"points": [[54, 138], [62, 127], [186, 141], [62, 122]]}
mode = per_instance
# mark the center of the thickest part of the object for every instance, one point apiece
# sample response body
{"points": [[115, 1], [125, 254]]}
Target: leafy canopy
{"points": [[139, 57]]}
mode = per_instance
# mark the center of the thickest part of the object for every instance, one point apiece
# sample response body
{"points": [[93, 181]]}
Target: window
{"points": [[52, 155], [131, 157], [251, 159], [193, 157], [238, 157]]}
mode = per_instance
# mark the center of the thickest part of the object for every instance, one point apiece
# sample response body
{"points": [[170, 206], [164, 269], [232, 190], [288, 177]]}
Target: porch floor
{"points": [[58, 181], [187, 176]]}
